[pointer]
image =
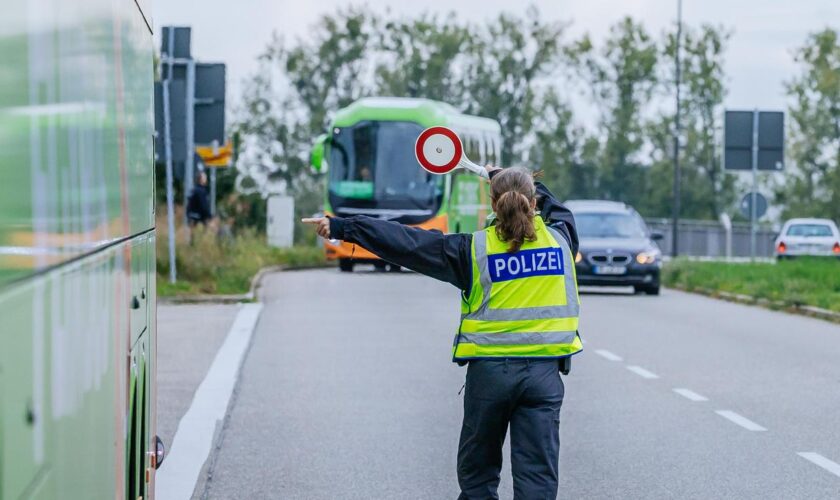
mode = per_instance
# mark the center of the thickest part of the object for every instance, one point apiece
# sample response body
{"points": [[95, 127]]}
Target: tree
{"points": [[622, 77], [421, 58], [509, 57], [560, 149], [812, 185], [330, 72], [705, 188], [287, 103]]}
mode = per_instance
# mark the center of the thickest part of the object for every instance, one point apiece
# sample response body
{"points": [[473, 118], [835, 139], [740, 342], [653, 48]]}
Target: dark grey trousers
{"points": [[527, 395]]}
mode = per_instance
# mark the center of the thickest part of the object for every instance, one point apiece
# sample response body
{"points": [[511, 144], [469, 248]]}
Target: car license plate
{"points": [[610, 270]]}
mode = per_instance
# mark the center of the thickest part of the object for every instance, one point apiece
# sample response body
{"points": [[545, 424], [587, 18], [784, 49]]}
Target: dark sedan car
{"points": [[616, 246]]}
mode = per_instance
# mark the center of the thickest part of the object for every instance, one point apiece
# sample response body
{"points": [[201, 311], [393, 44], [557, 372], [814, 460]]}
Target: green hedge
{"points": [[209, 264], [806, 281]]}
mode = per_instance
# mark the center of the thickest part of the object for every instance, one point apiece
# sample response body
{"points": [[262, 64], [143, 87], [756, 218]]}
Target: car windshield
{"points": [[809, 230], [374, 160], [607, 225]]}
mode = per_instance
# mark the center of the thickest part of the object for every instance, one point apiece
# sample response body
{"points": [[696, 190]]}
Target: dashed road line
{"points": [[740, 420], [820, 461], [608, 355], [638, 370], [690, 395]]}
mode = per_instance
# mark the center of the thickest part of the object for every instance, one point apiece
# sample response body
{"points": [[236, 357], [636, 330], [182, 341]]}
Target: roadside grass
{"points": [[806, 281], [209, 264]]}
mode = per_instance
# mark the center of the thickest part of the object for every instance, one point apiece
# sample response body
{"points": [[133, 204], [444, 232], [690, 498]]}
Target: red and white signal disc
{"points": [[439, 150]]}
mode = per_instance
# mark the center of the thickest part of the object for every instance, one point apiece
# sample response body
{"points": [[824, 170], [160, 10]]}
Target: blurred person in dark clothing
{"points": [[198, 204]]}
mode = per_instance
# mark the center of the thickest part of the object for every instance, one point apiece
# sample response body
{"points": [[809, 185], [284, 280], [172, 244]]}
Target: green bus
{"points": [[368, 154], [77, 250]]}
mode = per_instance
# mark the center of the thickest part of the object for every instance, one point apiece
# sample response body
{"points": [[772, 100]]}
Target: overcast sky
{"points": [[759, 58]]}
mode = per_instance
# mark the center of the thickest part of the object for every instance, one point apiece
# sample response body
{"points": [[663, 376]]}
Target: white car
{"points": [[817, 237]]}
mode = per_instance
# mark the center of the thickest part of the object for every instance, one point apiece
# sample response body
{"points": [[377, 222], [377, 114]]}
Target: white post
{"points": [[726, 222], [281, 221]]}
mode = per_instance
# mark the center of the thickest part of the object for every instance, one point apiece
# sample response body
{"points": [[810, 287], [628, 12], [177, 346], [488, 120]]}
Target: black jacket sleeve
{"points": [[556, 215], [442, 256]]}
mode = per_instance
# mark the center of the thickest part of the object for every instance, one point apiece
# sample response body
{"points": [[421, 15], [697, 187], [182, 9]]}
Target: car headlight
{"points": [[578, 257], [648, 257]]}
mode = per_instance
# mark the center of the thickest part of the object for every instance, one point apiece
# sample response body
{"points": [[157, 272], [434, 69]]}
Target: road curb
{"points": [[801, 309], [256, 283]]}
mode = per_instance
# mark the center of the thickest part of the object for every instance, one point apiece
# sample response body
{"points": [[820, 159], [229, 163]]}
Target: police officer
{"points": [[519, 321]]}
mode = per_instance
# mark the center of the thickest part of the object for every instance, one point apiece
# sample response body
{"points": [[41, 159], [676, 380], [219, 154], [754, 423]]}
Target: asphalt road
{"points": [[348, 392], [188, 338]]}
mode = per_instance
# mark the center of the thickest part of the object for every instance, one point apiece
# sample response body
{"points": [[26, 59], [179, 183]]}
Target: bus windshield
{"points": [[374, 161]]}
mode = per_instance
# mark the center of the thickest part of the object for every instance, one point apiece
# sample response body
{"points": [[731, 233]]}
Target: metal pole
{"points": [[170, 191], [189, 164], [676, 207], [212, 191], [753, 198]]}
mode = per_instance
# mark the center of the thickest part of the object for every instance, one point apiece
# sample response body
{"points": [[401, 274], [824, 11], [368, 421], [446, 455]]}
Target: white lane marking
{"points": [[607, 354], [179, 472], [740, 420], [638, 370], [690, 395], [819, 460]]}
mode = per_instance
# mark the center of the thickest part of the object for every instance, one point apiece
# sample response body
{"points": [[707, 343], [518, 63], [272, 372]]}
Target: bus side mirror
{"points": [[316, 156]]}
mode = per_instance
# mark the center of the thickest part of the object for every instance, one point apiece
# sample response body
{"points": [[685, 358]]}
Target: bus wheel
{"points": [[346, 265], [379, 266], [394, 268]]}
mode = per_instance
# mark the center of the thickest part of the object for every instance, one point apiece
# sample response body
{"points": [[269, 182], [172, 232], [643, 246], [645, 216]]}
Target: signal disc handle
{"points": [[439, 151]]}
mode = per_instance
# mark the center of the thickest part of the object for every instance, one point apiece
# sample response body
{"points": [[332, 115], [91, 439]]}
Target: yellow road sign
{"points": [[215, 156]]}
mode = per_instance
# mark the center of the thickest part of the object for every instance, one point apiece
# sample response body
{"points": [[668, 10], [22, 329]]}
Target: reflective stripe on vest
{"points": [[506, 322]]}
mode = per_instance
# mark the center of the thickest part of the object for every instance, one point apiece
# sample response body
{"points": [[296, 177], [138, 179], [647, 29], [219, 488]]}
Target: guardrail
{"points": [[705, 238]]}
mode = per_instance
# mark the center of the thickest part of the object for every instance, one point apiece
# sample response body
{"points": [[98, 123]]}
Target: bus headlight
{"points": [[648, 257]]}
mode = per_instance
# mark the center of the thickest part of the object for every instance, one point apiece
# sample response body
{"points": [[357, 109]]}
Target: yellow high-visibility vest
{"points": [[523, 304]]}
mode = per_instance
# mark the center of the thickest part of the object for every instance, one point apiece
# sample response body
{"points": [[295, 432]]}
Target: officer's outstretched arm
{"points": [[441, 256]]}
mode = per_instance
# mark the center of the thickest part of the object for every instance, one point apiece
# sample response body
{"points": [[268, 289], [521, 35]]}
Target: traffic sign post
{"points": [[189, 111], [754, 140], [753, 201], [439, 151]]}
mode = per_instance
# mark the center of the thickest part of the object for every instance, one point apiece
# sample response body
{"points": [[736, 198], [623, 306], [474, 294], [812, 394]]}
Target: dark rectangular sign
{"points": [[738, 140], [180, 41], [771, 140], [209, 103], [177, 121]]}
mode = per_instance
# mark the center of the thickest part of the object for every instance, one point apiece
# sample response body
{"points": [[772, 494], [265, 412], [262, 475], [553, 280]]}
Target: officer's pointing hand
{"points": [[322, 225]]}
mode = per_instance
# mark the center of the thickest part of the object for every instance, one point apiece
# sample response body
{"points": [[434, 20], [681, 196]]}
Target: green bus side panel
{"points": [[469, 204], [76, 130], [63, 370], [76, 246]]}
